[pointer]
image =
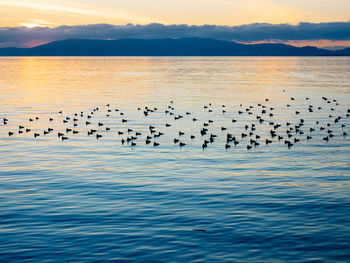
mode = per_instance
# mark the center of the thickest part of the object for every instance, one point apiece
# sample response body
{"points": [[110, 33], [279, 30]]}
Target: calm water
{"points": [[91, 200]]}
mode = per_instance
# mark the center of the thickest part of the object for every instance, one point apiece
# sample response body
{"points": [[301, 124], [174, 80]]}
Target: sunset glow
{"points": [[196, 12]]}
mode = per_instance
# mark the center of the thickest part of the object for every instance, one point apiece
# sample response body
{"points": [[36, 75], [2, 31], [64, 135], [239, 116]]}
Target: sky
{"points": [[192, 12], [55, 13]]}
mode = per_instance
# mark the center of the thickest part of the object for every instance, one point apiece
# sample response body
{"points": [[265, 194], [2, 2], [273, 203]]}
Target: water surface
{"points": [[90, 200]]}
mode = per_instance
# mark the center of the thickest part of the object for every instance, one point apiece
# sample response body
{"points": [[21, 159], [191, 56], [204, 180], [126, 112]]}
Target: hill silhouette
{"points": [[165, 47]]}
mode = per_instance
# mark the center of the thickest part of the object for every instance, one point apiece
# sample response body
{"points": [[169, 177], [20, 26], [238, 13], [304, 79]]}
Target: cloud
{"points": [[66, 8], [24, 37]]}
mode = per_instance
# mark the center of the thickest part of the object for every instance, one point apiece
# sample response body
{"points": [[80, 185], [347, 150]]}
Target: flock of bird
{"points": [[289, 132]]}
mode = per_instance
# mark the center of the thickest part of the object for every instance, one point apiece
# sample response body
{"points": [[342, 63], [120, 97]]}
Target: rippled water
{"points": [[90, 200]]}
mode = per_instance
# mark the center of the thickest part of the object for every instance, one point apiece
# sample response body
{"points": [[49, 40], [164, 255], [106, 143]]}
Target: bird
{"points": [[267, 141]]}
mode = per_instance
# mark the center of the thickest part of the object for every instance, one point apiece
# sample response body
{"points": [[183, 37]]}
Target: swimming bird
{"points": [[267, 141]]}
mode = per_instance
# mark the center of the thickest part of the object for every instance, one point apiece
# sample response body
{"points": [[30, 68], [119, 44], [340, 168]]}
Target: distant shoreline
{"points": [[185, 47], [161, 56]]}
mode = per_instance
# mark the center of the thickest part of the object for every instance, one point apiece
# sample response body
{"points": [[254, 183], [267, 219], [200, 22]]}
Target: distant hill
{"points": [[344, 52], [165, 47]]}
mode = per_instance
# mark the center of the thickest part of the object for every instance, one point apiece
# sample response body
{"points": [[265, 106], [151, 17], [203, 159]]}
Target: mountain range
{"points": [[166, 47]]}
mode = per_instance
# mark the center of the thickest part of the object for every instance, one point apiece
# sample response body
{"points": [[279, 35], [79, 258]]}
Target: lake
{"points": [[276, 195]]}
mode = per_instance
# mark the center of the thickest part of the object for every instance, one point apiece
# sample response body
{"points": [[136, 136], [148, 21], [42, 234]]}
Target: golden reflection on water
{"points": [[73, 81], [78, 82], [41, 80]]}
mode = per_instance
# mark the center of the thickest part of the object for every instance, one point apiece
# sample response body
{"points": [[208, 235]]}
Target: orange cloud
{"points": [[64, 11]]}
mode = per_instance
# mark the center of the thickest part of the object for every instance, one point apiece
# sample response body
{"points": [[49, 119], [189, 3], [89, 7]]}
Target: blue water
{"points": [[95, 200]]}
